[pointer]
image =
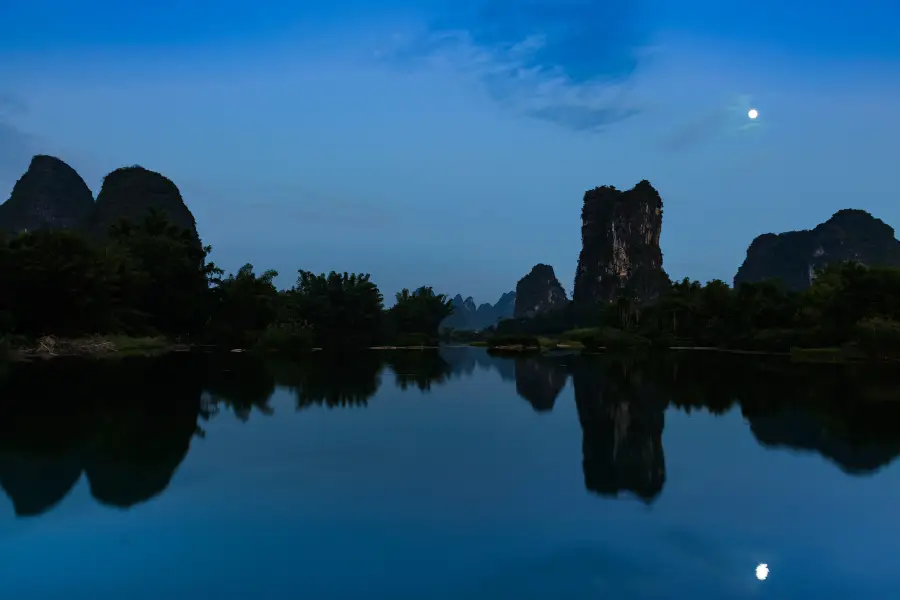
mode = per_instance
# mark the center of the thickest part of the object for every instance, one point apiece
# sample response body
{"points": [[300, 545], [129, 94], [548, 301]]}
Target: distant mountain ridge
{"points": [[469, 316]]}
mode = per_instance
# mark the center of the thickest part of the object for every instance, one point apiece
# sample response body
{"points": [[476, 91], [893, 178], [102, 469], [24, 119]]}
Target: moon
{"points": [[762, 571], [753, 113]]}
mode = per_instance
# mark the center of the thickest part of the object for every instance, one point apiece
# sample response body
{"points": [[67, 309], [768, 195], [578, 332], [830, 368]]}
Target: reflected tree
{"points": [[331, 379], [241, 383], [418, 368], [846, 413]]}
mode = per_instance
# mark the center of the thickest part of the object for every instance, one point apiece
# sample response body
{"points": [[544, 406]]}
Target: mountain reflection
{"points": [[539, 380], [126, 425], [848, 414], [622, 422]]}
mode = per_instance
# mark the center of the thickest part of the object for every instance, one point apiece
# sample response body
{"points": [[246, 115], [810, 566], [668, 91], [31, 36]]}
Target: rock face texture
{"points": [[50, 195], [620, 252], [467, 316], [538, 292], [130, 193], [794, 256]]}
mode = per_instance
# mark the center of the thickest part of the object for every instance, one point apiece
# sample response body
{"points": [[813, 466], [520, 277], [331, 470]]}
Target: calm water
{"points": [[451, 475]]}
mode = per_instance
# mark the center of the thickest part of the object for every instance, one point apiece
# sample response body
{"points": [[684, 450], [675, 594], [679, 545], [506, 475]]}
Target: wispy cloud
{"points": [[569, 62], [16, 146], [10, 104], [695, 131], [727, 118], [282, 203]]}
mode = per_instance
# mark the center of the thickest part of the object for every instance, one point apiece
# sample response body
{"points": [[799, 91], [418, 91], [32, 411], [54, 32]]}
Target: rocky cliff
{"points": [[50, 194], [620, 251], [469, 316], [538, 292], [130, 193], [794, 256]]}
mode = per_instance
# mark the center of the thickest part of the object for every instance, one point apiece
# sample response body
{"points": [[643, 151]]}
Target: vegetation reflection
{"points": [[126, 425]]}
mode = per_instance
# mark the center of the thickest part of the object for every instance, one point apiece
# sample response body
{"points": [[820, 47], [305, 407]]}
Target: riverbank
{"points": [[98, 346], [112, 346], [540, 344]]}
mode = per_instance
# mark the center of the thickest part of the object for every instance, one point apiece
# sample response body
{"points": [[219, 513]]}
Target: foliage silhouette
{"points": [[135, 418], [151, 277], [848, 414], [848, 306], [419, 312]]}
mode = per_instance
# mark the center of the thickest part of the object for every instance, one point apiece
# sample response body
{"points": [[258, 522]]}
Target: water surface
{"points": [[448, 475]]}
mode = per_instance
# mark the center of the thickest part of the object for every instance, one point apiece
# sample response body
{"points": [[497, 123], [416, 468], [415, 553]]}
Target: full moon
{"points": [[762, 571], [753, 114]]}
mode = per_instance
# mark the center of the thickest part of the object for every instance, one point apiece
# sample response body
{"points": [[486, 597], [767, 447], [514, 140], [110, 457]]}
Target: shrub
{"points": [[414, 339], [285, 338], [878, 338], [613, 339], [527, 341]]}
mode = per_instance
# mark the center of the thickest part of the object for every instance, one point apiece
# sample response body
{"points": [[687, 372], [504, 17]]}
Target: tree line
{"points": [[848, 306], [842, 412], [153, 278]]}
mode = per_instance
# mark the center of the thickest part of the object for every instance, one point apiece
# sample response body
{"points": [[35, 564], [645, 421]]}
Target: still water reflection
{"points": [[424, 475]]}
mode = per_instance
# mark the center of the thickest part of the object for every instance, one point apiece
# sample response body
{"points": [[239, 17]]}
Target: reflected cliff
{"points": [[464, 360], [539, 380], [126, 425], [622, 420], [848, 414]]}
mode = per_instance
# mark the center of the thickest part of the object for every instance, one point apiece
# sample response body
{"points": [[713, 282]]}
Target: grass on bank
{"points": [[585, 339], [874, 342], [50, 346]]}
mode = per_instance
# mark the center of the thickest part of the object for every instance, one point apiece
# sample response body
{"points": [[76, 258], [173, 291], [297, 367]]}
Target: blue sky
{"points": [[450, 143]]}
